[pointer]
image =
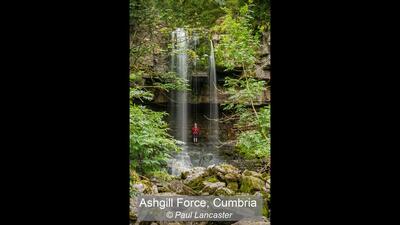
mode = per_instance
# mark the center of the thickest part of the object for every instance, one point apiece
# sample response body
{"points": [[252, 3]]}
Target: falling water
{"points": [[203, 153], [182, 96], [172, 96], [179, 64], [213, 124]]}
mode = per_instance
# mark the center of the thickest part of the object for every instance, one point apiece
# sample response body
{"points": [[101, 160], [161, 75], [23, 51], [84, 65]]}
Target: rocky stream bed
{"points": [[218, 180]]}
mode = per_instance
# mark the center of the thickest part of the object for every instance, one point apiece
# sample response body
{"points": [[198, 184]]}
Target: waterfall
{"points": [[214, 116], [172, 95], [182, 96], [179, 64], [204, 153]]}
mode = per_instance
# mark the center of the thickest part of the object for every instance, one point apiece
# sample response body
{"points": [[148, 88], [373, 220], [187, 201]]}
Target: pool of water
{"points": [[193, 155]]}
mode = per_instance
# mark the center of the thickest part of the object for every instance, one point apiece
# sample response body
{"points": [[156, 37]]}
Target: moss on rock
{"points": [[232, 177], [250, 184], [226, 168], [195, 177], [212, 187], [234, 186], [252, 173], [134, 177], [223, 191], [212, 179]]}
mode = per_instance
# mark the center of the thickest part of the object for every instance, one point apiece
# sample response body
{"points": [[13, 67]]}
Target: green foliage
{"points": [[170, 81], [238, 46], [253, 126], [142, 12], [243, 90], [150, 144], [164, 81], [176, 13], [261, 15], [255, 143], [140, 94], [183, 13]]}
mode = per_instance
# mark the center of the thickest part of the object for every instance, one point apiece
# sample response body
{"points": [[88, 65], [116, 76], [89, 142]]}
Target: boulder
{"points": [[154, 189], [267, 186], [249, 184], [210, 187], [195, 177], [265, 176], [163, 189], [223, 169], [264, 50], [167, 194], [212, 179], [182, 223], [232, 177], [133, 208], [223, 191], [263, 73], [256, 221], [220, 175], [266, 198], [234, 186], [179, 188], [145, 187], [252, 173], [140, 188]]}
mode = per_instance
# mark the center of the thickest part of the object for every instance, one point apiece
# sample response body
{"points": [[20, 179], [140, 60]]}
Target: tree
{"points": [[237, 48], [150, 144]]}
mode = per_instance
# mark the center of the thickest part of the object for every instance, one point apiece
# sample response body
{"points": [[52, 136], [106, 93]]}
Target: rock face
{"points": [[263, 66]]}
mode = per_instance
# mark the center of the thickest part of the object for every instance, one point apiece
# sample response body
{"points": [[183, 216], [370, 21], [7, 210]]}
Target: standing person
{"points": [[195, 132]]}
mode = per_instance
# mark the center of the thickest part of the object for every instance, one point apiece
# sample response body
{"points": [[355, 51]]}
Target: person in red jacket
{"points": [[195, 132]]}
